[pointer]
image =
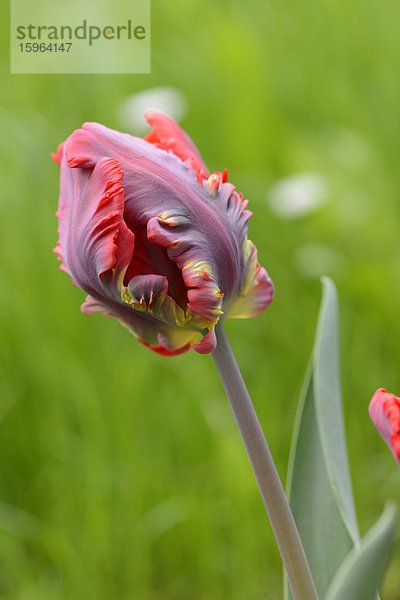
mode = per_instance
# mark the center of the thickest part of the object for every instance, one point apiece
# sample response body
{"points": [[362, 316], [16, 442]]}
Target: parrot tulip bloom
{"points": [[384, 410], [155, 239]]}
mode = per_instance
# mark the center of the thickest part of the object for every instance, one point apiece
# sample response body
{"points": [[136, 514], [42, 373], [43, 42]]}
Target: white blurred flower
{"points": [[167, 99], [348, 148], [298, 195], [314, 260]]}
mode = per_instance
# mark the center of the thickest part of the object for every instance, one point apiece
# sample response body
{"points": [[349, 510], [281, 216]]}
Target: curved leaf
{"points": [[328, 403], [362, 571], [322, 530], [319, 485]]}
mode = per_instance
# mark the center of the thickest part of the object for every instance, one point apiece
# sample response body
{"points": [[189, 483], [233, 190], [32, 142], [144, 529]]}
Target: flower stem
{"points": [[275, 501]]}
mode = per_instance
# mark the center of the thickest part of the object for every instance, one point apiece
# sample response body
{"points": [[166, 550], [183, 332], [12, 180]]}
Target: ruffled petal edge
{"points": [[257, 291], [168, 135]]}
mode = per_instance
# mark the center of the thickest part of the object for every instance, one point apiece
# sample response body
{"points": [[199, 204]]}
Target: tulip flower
{"points": [[160, 243], [384, 410], [155, 239]]}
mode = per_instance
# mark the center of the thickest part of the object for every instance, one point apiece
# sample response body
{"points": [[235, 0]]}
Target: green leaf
{"points": [[319, 484], [325, 537], [363, 570], [328, 403]]}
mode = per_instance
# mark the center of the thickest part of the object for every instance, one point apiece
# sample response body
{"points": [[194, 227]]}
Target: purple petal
{"points": [[95, 243]]}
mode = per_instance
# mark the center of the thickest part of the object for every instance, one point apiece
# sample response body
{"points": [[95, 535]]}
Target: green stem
{"points": [[275, 501]]}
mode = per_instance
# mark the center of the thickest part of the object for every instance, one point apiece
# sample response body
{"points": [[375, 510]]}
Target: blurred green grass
{"points": [[122, 473]]}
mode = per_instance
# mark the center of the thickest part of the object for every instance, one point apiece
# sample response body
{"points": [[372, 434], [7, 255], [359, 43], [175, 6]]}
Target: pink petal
{"points": [[207, 344], [257, 291], [153, 259], [187, 249], [157, 336], [149, 294], [86, 146], [205, 238], [95, 244], [166, 134], [384, 410], [160, 349]]}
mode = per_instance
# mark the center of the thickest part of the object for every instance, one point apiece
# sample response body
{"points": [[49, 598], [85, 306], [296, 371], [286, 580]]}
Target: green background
{"points": [[122, 473]]}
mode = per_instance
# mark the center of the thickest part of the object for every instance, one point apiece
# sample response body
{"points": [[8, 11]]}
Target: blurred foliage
{"points": [[122, 473]]}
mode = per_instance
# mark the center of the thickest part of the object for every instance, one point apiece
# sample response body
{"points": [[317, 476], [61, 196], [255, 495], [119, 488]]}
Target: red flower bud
{"points": [[384, 410]]}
